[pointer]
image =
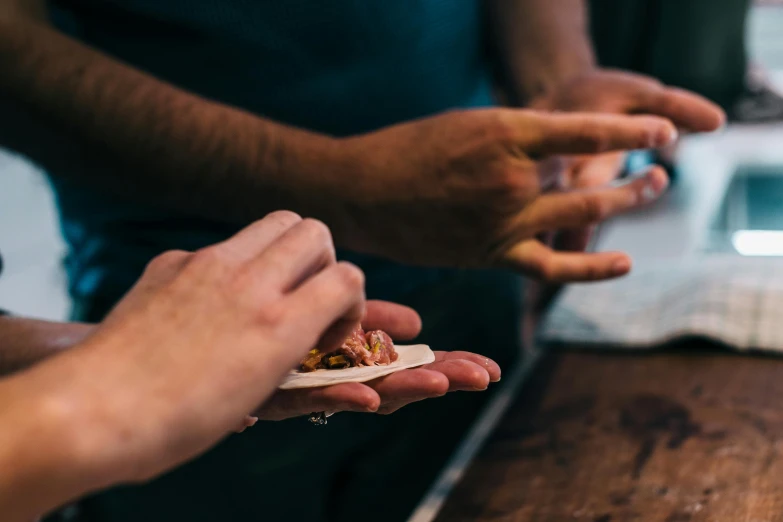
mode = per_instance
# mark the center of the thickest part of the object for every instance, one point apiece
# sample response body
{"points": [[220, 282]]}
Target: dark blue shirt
{"points": [[339, 66]]}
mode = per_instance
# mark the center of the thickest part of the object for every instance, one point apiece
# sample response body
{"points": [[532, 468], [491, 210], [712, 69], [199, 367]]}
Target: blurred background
{"points": [[33, 283]]}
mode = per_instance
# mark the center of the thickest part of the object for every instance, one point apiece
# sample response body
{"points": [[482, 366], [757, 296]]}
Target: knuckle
{"points": [[593, 209], [167, 260], [272, 315], [210, 259], [504, 176], [317, 231], [351, 277], [284, 217], [500, 125]]}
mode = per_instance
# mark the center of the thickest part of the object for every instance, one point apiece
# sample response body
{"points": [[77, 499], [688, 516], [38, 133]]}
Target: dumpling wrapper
{"points": [[409, 357]]}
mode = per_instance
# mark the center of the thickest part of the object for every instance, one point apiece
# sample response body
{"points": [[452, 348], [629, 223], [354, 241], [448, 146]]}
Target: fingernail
{"points": [[648, 194], [666, 137], [621, 266], [350, 406], [653, 188]]}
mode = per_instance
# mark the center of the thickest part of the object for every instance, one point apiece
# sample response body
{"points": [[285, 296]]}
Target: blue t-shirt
{"points": [[339, 66]]}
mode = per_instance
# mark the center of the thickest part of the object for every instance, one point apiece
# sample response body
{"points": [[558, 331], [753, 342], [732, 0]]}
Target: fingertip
{"points": [[665, 135], [719, 119], [481, 379], [656, 183], [373, 403], [356, 397], [493, 369], [400, 321], [416, 324], [437, 383], [713, 116], [621, 266], [671, 135]]}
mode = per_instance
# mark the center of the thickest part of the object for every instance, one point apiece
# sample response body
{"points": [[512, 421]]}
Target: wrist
{"points": [[45, 461], [323, 177]]}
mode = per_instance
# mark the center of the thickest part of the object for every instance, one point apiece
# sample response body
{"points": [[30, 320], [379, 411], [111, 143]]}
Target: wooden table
{"points": [[686, 436]]}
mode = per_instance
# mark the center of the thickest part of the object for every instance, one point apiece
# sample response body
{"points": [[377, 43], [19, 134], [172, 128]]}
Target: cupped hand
{"points": [[451, 371]]}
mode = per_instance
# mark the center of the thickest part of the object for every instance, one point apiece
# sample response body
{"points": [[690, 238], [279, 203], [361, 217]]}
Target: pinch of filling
{"points": [[373, 348]]}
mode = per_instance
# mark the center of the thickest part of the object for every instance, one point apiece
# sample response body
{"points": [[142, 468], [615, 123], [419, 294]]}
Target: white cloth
{"points": [[735, 300]]}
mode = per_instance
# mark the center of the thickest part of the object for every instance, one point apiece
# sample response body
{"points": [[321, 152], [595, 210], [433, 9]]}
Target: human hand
{"points": [[465, 188], [619, 92], [199, 342], [451, 371]]}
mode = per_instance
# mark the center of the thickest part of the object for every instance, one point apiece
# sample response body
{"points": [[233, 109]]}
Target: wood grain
{"points": [[689, 436]]}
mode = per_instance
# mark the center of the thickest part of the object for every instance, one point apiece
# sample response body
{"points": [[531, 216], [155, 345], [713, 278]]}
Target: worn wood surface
{"points": [[687, 436]]}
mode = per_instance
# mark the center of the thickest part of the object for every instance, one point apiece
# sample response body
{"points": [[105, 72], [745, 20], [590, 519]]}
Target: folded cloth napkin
{"points": [[735, 300]]}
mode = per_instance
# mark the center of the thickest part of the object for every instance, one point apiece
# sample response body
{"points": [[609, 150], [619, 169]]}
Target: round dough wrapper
{"points": [[409, 357]]}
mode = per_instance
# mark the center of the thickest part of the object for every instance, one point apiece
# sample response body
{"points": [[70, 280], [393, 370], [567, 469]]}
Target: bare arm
{"points": [[541, 43], [63, 104], [447, 190], [38, 451], [177, 365], [23, 342]]}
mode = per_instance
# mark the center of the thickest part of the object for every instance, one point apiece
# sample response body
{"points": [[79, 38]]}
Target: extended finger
{"points": [[597, 170], [686, 109], [352, 396], [583, 208], [463, 375], [400, 322], [301, 251], [492, 368], [333, 297], [410, 385], [539, 261], [545, 134], [255, 238]]}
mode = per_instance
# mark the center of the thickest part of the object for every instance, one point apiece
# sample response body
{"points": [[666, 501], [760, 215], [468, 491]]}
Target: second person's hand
{"points": [[464, 188]]}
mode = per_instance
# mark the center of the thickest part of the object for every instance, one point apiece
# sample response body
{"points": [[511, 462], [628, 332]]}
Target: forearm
{"points": [[23, 342], [39, 458], [541, 44], [80, 113]]}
